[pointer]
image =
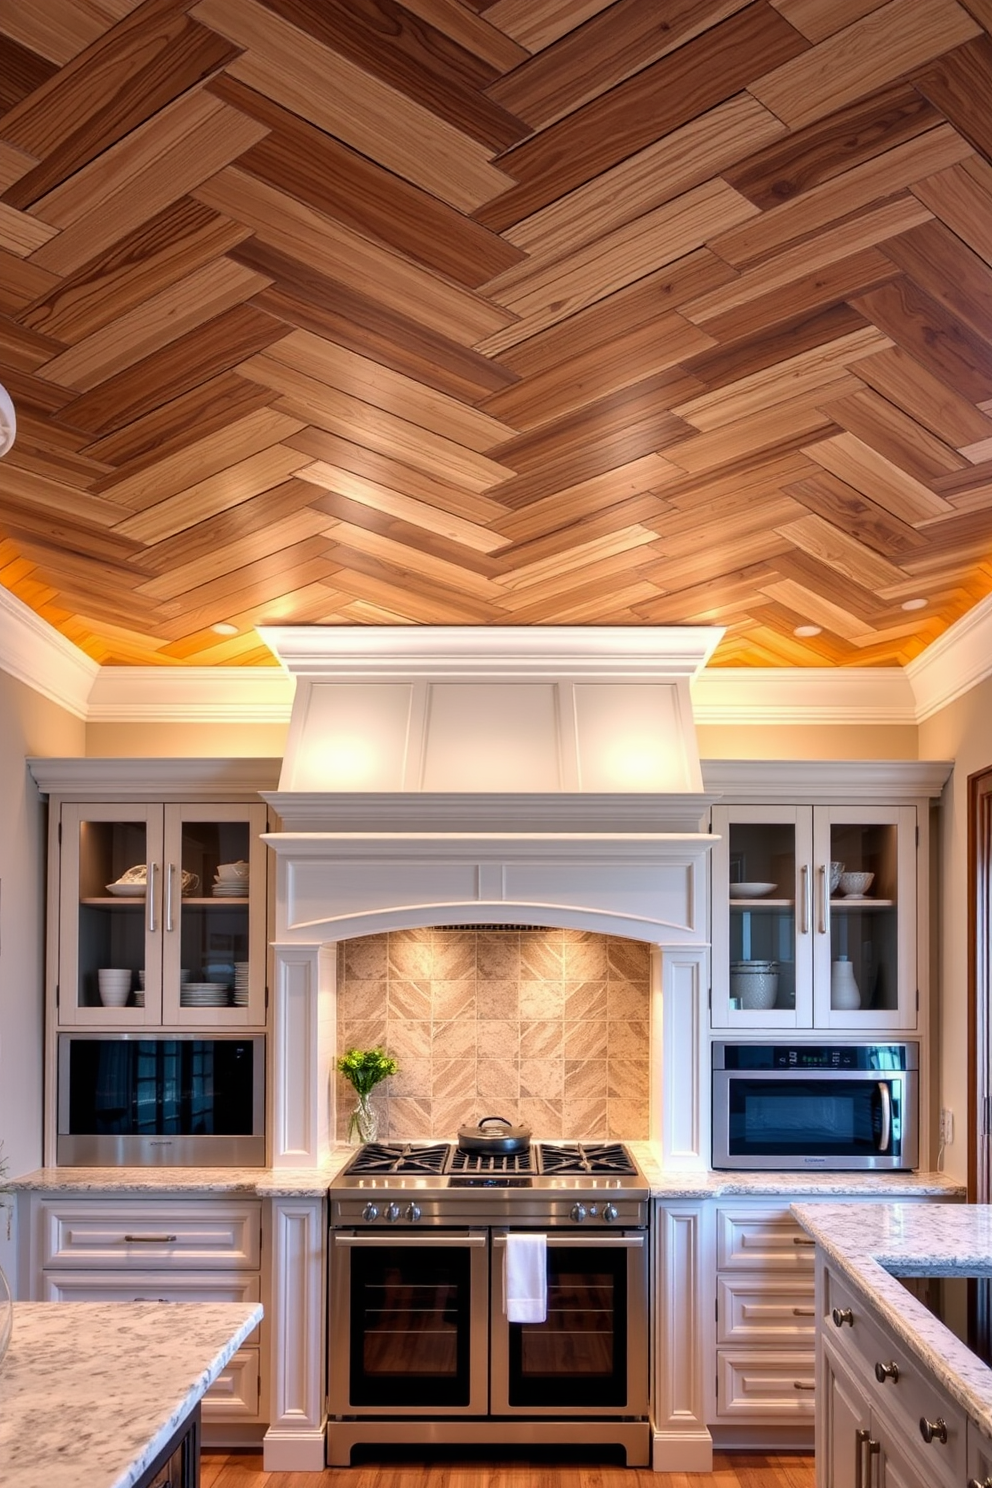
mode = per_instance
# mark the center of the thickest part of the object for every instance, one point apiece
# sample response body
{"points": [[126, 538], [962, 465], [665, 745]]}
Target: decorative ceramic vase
{"points": [[844, 993], [6, 1314], [364, 1123]]}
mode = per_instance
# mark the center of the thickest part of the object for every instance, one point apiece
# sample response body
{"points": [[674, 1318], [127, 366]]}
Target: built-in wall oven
{"points": [[420, 1348], [815, 1106]]}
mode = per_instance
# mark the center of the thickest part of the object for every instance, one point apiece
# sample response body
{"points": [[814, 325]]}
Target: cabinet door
{"points": [[110, 915], [213, 915], [864, 958], [762, 926], [844, 1444]]}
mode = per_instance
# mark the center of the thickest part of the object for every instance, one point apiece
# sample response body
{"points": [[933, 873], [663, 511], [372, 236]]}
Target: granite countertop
{"points": [[861, 1240], [269, 1183], [90, 1392]]}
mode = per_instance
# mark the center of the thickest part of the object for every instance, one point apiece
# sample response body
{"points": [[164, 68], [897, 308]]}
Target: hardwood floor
{"points": [[740, 1470]]}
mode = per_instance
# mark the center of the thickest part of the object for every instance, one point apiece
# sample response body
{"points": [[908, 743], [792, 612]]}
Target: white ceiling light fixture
{"points": [[8, 421], [224, 627], [808, 630], [915, 604]]}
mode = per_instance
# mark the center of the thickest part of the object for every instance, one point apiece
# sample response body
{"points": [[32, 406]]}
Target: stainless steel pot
{"points": [[505, 1139]]}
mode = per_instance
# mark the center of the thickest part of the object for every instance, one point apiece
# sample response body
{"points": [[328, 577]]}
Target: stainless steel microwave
{"points": [[170, 1099], [803, 1107]]}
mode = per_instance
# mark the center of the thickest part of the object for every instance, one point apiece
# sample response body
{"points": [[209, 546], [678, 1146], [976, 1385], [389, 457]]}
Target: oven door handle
{"points": [[404, 1237], [598, 1242], [885, 1096]]}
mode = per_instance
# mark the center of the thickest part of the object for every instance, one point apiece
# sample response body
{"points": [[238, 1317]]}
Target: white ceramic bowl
{"points": [[232, 872], [853, 885], [751, 890], [836, 869], [115, 986]]}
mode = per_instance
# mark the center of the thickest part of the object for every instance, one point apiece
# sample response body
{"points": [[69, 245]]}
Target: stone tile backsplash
{"points": [[546, 1027]]}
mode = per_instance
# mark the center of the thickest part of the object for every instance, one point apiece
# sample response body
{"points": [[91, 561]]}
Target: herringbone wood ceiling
{"points": [[523, 312]]}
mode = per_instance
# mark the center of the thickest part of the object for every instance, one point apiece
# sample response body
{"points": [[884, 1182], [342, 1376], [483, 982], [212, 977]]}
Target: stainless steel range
{"points": [[419, 1345]]}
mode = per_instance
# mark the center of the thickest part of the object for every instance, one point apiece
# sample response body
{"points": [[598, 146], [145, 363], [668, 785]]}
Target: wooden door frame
{"points": [[979, 983]]}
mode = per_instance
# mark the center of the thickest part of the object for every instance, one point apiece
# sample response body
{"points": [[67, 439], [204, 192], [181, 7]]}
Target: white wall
{"points": [[959, 732], [29, 725]]}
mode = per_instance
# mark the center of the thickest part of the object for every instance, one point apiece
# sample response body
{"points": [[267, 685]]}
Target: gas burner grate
{"points": [[395, 1157], [586, 1157], [491, 1162]]}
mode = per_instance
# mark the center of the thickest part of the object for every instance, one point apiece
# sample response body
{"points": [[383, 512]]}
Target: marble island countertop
{"points": [[90, 1392], [871, 1245], [271, 1183]]}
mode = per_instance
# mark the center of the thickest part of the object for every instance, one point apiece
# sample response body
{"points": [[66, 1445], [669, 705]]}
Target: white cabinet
{"points": [[797, 945], [884, 1421], [167, 1249], [150, 893]]}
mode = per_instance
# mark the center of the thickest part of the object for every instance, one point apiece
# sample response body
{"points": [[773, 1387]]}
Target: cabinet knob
{"points": [[980, 1482], [842, 1315], [934, 1431], [887, 1371]]}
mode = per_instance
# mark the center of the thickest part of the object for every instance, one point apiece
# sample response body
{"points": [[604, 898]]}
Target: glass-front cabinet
{"points": [[814, 917], [161, 914]]}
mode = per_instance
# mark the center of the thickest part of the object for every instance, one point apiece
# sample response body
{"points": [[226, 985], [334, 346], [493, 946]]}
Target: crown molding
{"points": [[802, 695], [954, 663], [191, 695], [33, 652]]}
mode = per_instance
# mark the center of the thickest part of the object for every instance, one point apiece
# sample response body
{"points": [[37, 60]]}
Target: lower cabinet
{"points": [[178, 1464], [156, 1250]]}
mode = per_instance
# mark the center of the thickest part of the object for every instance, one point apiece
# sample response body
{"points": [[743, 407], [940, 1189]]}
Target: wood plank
{"points": [[797, 160], [333, 504], [535, 24], [176, 241], [405, 595], [930, 333], [206, 456], [660, 237], [311, 401], [110, 89], [593, 58], [894, 434], [818, 20], [896, 169], [886, 484], [299, 231], [237, 482], [394, 503], [755, 353], [159, 394], [898, 376], [658, 99], [185, 575], [685, 158], [864, 230], [422, 62], [215, 533], [870, 53], [786, 426], [344, 100], [962, 198], [845, 555], [299, 159], [413, 560], [22, 234], [22, 72], [21, 283], [805, 296], [474, 33], [149, 169], [58, 31], [601, 495], [202, 296], [959, 84], [264, 579]]}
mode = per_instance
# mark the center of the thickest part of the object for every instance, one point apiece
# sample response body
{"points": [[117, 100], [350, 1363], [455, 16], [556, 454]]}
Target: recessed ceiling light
{"points": [[915, 604], [807, 630], [224, 627]]}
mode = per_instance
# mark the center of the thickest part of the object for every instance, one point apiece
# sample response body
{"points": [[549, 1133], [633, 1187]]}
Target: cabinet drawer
{"points": [[776, 1309], [760, 1239], [235, 1393], [148, 1235], [150, 1286], [763, 1384]]}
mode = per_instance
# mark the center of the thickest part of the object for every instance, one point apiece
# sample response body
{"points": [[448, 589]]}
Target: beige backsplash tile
{"points": [[549, 1029]]}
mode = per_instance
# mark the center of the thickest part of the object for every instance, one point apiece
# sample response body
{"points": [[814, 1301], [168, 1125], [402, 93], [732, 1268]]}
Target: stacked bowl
{"points": [[231, 880]]}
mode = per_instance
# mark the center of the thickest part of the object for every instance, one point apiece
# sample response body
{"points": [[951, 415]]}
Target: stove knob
{"points": [[578, 1213], [610, 1213], [413, 1212], [392, 1213], [370, 1213]]}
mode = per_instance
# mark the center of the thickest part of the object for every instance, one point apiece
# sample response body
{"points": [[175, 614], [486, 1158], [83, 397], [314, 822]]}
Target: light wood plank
{"points": [[334, 93], [535, 24], [417, 513], [21, 233], [851, 559], [60, 31], [866, 470], [871, 52], [962, 198], [236, 483]]}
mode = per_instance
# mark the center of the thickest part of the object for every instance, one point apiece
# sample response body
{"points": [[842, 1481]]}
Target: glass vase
{"points": [[364, 1123], [6, 1314]]}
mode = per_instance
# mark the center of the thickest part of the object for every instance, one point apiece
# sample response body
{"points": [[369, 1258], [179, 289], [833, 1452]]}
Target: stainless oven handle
{"points": [[885, 1095], [591, 1242], [404, 1237]]}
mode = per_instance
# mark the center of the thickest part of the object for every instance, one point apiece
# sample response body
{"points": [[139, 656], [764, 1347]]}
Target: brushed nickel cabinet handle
{"points": [[804, 1312], [842, 1315], [934, 1431], [803, 1240], [151, 1239], [887, 1371], [804, 899], [802, 1385], [861, 1440], [821, 899]]}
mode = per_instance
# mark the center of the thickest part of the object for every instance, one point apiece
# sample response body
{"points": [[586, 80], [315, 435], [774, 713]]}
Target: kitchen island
{"points": [[92, 1392]]}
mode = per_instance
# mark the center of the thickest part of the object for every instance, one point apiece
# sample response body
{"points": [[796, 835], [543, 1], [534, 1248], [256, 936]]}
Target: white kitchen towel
{"points": [[525, 1278]]}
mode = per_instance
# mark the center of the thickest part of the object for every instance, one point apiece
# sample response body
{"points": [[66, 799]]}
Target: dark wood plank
{"points": [[851, 511], [22, 72], [298, 158], [214, 347], [153, 56], [411, 56], [829, 148], [169, 426], [941, 264], [959, 84], [930, 333], [759, 350], [643, 109]]}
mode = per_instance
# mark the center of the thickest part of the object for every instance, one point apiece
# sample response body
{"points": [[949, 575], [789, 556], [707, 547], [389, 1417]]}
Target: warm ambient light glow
{"points": [[808, 630], [224, 627], [915, 604], [641, 764], [341, 764]]}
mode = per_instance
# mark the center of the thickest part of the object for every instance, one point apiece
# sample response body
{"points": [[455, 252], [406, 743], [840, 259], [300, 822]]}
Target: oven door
{"points": [[408, 1326], [816, 1119], [590, 1356]]}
